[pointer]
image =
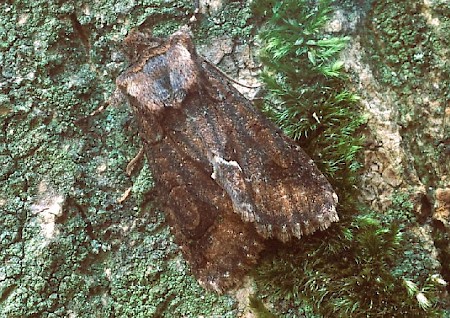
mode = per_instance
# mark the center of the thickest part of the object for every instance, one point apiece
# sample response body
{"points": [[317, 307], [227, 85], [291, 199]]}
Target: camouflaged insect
{"points": [[227, 178]]}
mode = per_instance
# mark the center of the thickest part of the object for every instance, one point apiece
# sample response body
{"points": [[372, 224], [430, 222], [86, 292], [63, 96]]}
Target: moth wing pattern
{"points": [[227, 178], [280, 189]]}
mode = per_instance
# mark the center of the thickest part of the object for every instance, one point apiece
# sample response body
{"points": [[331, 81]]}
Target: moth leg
{"points": [[131, 166], [115, 99]]}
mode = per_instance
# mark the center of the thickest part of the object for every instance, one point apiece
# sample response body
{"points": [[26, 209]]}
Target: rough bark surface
{"points": [[227, 178]]}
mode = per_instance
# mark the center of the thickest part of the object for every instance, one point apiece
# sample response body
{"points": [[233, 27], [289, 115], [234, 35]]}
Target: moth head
{"points": [[164, 74]]}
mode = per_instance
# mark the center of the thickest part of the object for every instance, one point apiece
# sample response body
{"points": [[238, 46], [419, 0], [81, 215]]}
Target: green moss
{"points": [[110, 259], [259, 309], [307, 96], [362, 269], [366, 265]]}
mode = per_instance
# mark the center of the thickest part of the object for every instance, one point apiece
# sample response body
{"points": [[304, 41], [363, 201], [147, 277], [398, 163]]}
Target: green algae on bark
{"points": [[68, 247]]}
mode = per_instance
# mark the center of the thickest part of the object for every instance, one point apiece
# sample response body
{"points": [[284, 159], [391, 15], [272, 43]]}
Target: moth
{"points": [[227, 178]]}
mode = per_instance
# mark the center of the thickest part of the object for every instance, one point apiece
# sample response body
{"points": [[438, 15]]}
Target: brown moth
{"points": [[227, 178]]}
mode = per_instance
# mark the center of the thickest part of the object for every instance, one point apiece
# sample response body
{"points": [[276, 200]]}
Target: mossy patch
{"points": [[367, 264]]}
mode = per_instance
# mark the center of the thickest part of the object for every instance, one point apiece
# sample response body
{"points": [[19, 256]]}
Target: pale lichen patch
{"points": [[47, 208]]}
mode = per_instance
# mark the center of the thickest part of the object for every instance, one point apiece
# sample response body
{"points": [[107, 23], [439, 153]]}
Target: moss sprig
{"points": [[352, 269], [307, 95]]}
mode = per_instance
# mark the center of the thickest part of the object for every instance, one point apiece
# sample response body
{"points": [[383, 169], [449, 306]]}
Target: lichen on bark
{"points": [[67, 246]]}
